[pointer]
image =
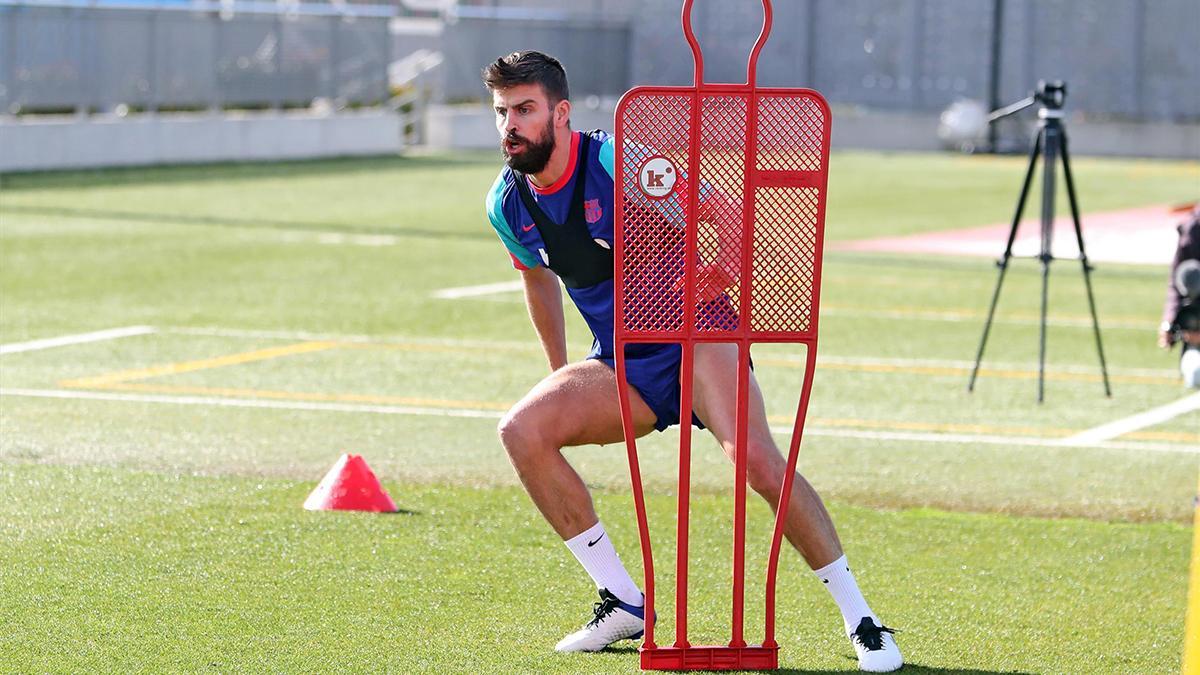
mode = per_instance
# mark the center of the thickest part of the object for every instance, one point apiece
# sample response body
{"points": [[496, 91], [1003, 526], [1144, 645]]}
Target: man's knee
{"points": [[764, 469], [516, 431], [520, 434]]}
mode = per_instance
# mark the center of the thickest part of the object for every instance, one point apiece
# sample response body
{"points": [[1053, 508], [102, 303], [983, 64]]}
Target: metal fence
{"points": [[595, 51], [1123, 59], [1129, 59], [199, 55]]}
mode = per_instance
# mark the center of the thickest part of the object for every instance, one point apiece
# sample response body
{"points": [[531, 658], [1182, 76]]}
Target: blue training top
{"points": [[516, 229]]}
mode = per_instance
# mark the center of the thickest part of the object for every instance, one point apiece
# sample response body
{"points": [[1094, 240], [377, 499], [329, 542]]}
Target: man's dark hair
{"points": [[526, 68]]}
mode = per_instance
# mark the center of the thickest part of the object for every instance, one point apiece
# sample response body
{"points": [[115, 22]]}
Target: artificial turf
{"points": [[150, 536]]}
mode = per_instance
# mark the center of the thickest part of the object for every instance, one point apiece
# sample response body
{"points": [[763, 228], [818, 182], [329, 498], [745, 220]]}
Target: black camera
{"points": [[1053, 93], [1187, 282], [1186, 319]]}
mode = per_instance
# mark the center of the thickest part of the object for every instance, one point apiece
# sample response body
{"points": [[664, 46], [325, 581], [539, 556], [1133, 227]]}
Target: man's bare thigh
{"points": [[577, 405]]}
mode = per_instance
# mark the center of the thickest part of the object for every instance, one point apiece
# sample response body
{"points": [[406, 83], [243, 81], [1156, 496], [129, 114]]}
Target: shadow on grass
{"points": [[851, 667], [150, 175], [247, 223]]}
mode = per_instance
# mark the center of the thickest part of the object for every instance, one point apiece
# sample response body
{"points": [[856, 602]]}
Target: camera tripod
{"points": [[1051, 142]]}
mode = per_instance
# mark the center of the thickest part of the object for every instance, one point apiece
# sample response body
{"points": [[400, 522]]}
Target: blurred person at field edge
{"points": [[1182, 303]]}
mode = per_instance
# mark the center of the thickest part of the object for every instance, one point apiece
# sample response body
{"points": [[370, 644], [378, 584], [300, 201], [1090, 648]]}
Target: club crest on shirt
{"points": [[592, 211]]}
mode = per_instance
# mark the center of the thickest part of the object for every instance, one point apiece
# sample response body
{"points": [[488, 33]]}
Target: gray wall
{"points": [[45, 142], [1122, 59]]}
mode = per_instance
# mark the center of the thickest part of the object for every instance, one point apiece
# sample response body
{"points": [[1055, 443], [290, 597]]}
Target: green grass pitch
{"points": [[150, 520]]}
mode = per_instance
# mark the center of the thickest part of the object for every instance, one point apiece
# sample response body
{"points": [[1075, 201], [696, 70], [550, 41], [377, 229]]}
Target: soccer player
{"points": [[552, 207]]}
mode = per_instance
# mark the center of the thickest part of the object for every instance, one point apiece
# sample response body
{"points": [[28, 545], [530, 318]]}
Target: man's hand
{"points": [[1164, 339], [711, 283], [1191, 337]]}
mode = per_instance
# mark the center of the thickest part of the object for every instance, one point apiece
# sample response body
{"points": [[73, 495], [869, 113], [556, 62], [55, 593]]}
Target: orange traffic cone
{"points": [[350, 486]]}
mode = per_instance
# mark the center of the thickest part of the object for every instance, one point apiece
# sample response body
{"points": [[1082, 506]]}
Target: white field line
{"points": [[358, 239], [81, 338], [1134, 422], [216, 331], [486, 291], [970, 317], [493, 414], [251, 403], [340, 238], [984, 439], [480, 290], [533, 347]]}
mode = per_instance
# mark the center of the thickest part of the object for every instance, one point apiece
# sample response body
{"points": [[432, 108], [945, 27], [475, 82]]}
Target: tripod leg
{"points": [[1003, 262], [1087, 268], [1042, 332], [1053, 133]]}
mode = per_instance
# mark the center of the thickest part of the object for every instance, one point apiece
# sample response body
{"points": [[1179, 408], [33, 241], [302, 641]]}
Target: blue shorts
{"points": [[653, 370]]}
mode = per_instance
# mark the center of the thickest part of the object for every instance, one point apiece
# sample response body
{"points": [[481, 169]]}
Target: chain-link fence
{"points": [[57, 58], [1125, 59]]}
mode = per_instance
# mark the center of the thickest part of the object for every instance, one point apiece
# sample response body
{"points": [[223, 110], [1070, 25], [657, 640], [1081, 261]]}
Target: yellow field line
{"points": [[1181, 436], [233, 392], [419, 347], [120, 376], [1191, 629], [125, 380], [455, 404], [1046, 432], [956, 371], [947, 371], [927, 426]]}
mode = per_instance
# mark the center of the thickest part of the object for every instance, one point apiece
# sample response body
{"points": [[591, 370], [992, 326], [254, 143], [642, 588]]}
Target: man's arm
{"points": [[544, 301], [1188, 248]]}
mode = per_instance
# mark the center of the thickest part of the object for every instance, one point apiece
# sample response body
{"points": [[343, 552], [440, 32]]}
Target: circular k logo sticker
{"points": [[657, 177]]}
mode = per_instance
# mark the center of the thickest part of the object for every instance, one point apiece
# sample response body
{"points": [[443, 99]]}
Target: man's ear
{"points": [[562, 113]]}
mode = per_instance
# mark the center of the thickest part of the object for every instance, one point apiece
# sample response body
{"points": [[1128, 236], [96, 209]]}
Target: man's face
{"points": [[525, 121]]}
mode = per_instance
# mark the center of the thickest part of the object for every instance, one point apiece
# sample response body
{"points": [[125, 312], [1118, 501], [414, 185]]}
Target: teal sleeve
{"points": [[607, 156], [500, 224]]}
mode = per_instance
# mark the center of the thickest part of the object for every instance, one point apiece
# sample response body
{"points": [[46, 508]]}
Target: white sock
{"points": [[840, 583], [594, 550]]}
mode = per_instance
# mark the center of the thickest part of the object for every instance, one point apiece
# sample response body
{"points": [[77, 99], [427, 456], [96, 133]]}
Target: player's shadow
{"points": [[908, 668]]}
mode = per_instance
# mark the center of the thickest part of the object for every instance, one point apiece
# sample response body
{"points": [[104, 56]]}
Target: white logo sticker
{"points": [[657, 177]]}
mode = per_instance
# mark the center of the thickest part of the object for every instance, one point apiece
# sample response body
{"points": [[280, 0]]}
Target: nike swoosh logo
{"points": [[597, 541], [526, 228]]}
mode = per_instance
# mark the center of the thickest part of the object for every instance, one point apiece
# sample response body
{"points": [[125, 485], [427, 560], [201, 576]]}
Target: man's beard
{"points": [[534, 156]]}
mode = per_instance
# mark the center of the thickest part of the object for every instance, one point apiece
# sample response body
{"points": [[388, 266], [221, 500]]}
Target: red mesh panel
{"points": [[783, 259], [719, 226], [654, 226], [790, 133]]}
